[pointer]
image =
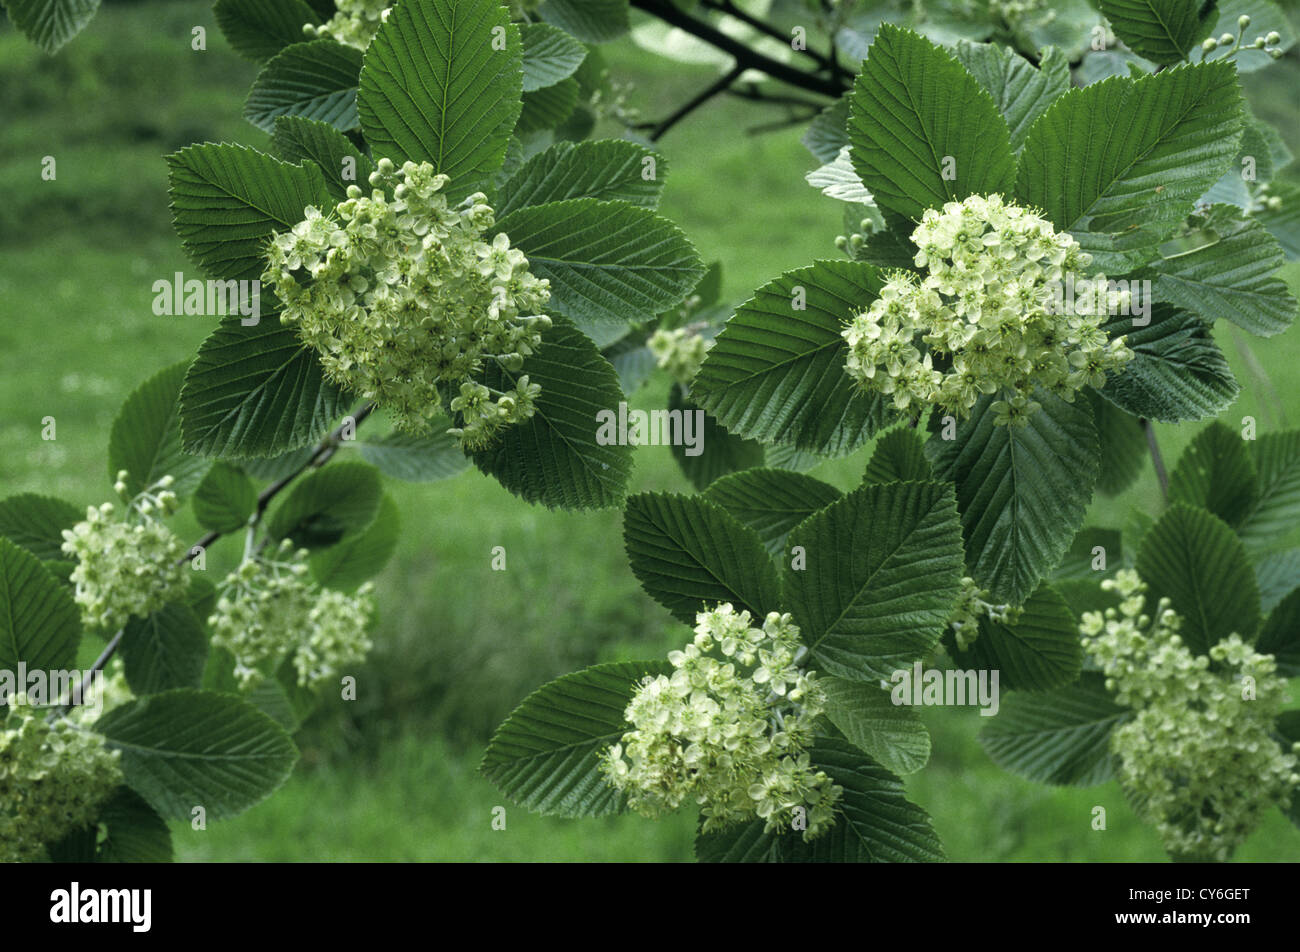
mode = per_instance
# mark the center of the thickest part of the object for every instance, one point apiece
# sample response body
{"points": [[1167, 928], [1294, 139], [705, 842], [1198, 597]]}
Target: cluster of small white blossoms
{"points": [[53, 778], [991, 308], [1199, 758], [402, 296], [679, 351], [1269, 42], [735, 742], [355, 24], [268, 609], [126, 567], [972, 604]]}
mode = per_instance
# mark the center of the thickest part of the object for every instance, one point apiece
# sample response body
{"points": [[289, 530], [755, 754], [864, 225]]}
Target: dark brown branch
{"points": [[696, 102], [731, 10], [744, 56]]}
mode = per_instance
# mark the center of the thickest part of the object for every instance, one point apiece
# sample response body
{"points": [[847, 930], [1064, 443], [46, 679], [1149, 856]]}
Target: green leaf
{"points": [[227, 200], [1120, 192], [1022, 490], [258, 29], [39, 623], [899, 456], [883, 572], [164, 651], [185, 748], [550, 55], [743, 843], [771, 501], [1194, 559], [1233, 277], [1078, 561], [133, 831], [314, 80], [1216, 473], [146, 437], [892, 734], [341, 162], [691, 555], [1177, 372], [1060, 737], [828, 132], [1161, 30], [255, 391], [1277, 509], [776, 373], [322, 506], [1039, 652], [1278, 574], [50, 23], [548, 108], [876, 821], [37, 522], [606, 169], [592, 21], [435, 88], [1280, 635], [716, 452], [359, 555], [609, 263], [1123, 445], [557, 456], [1021, 91], [225, 499], [546, 755], [837, 179], [415, 458], [913, 113]]}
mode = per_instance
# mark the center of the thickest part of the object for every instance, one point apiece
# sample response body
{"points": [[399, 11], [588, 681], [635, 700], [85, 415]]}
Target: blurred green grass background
{"points": [[393, 775]]}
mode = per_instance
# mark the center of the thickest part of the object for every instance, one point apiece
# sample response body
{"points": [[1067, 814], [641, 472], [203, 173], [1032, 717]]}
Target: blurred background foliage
{"points": [[393, 775]]}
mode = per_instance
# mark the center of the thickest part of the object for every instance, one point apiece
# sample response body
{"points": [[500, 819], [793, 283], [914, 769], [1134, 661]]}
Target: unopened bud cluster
{"points": [[987, 317], [1199, 758], [729, 729], [1269, 42], [268, 609], [53, 778], [679, 351], [972, 605], [129, 566], [355, 24], [402, 296]]}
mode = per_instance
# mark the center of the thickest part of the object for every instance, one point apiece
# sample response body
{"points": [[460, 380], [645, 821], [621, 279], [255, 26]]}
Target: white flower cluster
{"points": [[679, 351], [972, 604], [736, 743], [126, 567], [403, 297], [355, 24], [268, 610], [53, 778], [1199, 758], [989, 316]]}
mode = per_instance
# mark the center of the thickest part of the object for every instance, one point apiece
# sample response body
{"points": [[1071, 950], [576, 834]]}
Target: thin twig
{"points": [[696, 101], [1157, 461]]}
